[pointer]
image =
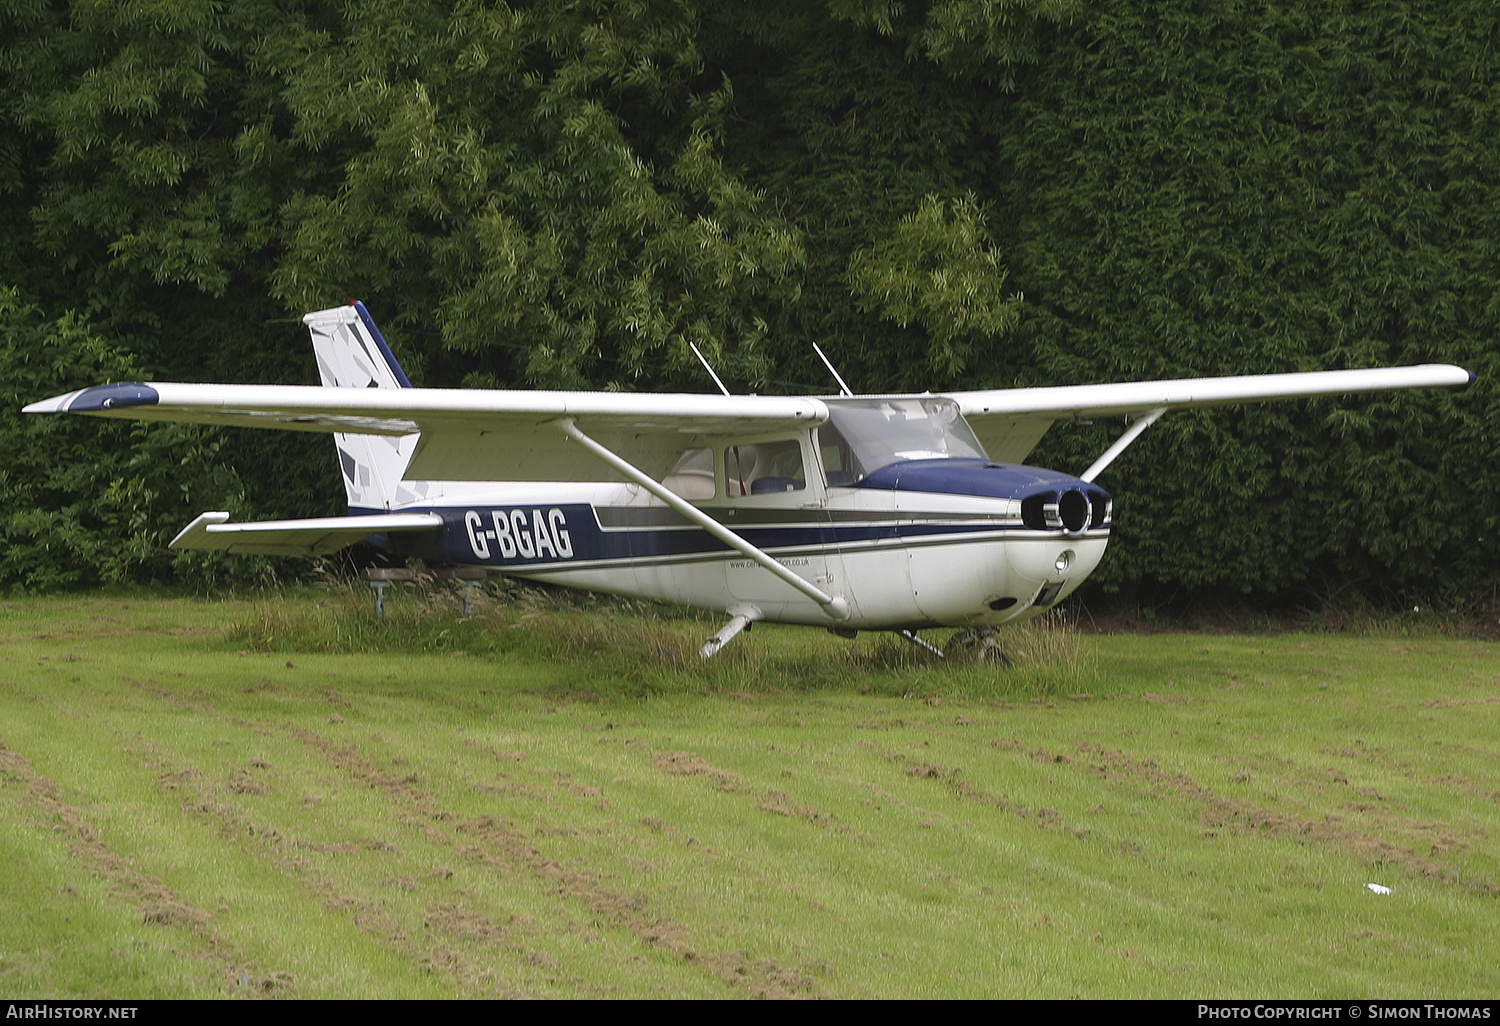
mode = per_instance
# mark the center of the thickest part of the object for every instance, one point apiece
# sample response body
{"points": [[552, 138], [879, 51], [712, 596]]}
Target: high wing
{"points": [[1011, 421], [466, 434], [483, 435]]}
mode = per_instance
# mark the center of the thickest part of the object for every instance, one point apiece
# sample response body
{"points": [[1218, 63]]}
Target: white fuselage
{"points": [[900, 559]]}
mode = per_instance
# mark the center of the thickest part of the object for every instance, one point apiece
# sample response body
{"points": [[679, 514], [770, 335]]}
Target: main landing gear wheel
{"points": [[981, 645]]}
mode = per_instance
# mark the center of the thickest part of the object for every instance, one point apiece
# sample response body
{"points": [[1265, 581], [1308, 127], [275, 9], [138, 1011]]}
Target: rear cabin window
{"points": [[692, 476], [763, 469]]}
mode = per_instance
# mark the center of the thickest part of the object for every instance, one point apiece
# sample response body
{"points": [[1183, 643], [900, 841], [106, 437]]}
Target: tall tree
{"points": [[943, 193]]}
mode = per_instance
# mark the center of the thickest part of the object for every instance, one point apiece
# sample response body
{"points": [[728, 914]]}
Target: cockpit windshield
{"points": [[872, 433]]}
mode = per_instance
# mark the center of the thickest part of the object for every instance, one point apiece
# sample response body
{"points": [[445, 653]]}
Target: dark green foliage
{"points": [[855, 132], [86, 501], [937, 271], [943, 193], [1225, 187]]}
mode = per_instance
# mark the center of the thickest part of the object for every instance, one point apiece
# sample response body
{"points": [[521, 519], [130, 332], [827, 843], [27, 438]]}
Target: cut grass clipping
{"points": [[288, 799]]}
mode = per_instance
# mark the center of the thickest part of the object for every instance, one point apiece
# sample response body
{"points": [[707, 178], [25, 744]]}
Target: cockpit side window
{"points": [[763, 468], [692, 476], [840, 466]]}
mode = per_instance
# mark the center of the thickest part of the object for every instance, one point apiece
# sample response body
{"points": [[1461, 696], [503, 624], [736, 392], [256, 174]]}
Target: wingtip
{"points": [[1462, 385], [98, 399], [56, 404]]}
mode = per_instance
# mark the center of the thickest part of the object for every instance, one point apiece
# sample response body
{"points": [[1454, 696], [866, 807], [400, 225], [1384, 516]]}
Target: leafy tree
{"points": [[88, 501], [936, 271], [568, 192]]}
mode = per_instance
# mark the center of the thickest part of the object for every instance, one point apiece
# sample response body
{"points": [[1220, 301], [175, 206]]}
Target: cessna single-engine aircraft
{"points": [[851, 512]]}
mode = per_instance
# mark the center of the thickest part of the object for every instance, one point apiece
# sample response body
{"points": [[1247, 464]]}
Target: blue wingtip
{"points": [[113, 397], [385, 350]]}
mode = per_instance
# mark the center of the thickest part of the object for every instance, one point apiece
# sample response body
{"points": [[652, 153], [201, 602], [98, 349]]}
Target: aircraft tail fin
{"points": [[352, 353]]}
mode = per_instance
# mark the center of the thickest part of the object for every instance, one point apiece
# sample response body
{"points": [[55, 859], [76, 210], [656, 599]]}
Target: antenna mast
{"points": [[694, 347], [843, 388]]}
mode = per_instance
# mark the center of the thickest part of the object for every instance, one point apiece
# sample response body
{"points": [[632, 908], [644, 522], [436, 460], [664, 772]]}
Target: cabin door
{"points": [[776, 505]]}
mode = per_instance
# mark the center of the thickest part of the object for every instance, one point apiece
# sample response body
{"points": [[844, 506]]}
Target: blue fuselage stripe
{"points": [[569, 534]]}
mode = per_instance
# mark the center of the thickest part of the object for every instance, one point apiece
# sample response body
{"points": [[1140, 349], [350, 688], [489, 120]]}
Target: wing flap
{"points": [[1009, 439], [295, 537]]}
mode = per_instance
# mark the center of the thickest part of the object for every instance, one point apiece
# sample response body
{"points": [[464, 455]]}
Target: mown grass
{"points": [[279, 798], [634, 649]]}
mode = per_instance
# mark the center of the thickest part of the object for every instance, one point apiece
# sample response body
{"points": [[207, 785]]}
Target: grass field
{"points": [[284, 798]]}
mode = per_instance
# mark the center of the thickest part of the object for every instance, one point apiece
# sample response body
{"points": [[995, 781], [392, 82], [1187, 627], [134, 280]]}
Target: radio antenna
{"points": [[694, 347], [843, 388]]}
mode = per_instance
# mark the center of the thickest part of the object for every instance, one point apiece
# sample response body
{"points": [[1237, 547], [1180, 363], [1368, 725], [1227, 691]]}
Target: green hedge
{"points": [[943, 193], [1235, 187]]}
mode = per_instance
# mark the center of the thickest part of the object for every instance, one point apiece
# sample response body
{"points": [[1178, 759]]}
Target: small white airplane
{"points": [[851, 512]]}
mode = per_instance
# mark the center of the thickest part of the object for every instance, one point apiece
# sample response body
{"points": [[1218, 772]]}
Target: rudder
{"points": [[352, 353]]}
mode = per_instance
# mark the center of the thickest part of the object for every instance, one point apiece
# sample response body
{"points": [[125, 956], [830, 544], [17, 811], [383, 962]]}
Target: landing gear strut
{"points": [[911, 636], [744, 617]]}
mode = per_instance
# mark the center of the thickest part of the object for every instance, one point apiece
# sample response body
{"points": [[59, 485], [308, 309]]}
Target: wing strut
{"points": [[1122, 443], [834, 606]]}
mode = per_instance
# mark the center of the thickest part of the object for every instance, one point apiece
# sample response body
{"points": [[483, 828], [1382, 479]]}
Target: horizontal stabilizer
{"points": [[295, 537]]}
